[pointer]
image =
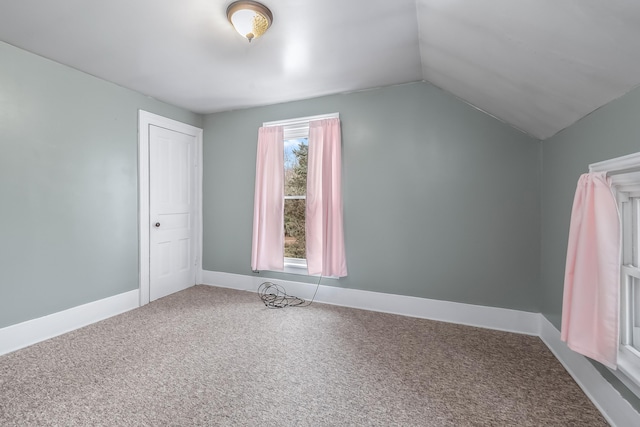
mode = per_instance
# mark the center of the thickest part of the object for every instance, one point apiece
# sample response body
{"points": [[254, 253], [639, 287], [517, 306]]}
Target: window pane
{"points": [[294, 236], [626, 213], [635, 313], [296, 153], [630, 233], [634, 231]]}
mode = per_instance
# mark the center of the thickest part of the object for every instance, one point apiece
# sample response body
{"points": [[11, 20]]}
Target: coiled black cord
{"points": [[275, 296]]}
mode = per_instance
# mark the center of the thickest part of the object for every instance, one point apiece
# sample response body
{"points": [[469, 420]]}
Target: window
{"points": [[627, 188], [296, 149], [625, 177], [296, 153]]}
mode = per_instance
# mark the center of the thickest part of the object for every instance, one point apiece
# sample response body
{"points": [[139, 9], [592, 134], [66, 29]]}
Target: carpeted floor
{"points": [[210, 356]]}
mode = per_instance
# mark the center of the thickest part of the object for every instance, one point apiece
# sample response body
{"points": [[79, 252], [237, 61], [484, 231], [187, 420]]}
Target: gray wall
{"points": [[68, 185], [440, 200], [612, 131]]}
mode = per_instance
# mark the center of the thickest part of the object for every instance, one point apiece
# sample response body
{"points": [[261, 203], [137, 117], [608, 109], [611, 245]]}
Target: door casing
{"points": [[146, 119]]}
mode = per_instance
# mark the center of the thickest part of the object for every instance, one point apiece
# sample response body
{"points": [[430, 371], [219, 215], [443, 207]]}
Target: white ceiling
{"points": [[538, 65]]}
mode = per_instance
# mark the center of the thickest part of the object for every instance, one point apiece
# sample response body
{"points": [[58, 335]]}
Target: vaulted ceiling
{"points": [[539, 65]]}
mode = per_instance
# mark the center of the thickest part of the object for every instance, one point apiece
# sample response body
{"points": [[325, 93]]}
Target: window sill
{"points": [[628, 370], [299, 266], [296, 266]]}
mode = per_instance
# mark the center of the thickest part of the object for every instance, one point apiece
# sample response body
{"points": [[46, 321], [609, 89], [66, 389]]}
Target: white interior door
{"points": [[172, 209]]}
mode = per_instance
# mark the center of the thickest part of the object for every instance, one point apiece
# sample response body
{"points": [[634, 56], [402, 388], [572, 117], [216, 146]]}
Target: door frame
{"points": [[146, 119]]}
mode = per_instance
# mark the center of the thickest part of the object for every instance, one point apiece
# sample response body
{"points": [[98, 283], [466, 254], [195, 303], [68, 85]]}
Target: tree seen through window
{"points": [[296, 152]]}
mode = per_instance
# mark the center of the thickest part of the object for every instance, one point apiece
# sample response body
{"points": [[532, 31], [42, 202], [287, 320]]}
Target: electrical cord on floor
{"points": [[275, 296]]}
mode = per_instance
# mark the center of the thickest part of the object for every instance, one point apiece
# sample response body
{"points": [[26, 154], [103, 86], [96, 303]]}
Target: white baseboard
{"points": [[466, 314], [604, 396], [24, 334]]}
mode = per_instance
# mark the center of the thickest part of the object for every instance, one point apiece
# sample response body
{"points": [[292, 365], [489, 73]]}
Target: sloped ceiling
{"points": [[539, 65]]}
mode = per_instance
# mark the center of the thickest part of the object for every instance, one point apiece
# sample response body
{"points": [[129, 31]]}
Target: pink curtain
{"points": [[324, 228], [590, 318], [267, 250]]}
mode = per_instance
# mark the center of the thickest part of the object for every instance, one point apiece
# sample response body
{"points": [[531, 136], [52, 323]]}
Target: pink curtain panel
{"points": [[590, 309], [267, 249], [324, 225]]}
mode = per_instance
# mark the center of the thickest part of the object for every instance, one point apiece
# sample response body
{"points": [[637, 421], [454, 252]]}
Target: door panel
{"points": [[171, 211]]}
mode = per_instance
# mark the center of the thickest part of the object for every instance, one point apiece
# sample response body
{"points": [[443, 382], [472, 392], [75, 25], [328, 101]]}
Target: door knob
{"points": [[157, 225]]}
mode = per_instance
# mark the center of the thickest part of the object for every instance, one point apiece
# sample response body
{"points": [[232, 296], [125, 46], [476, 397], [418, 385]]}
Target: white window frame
{"points": [[293, 129], [625, 179]]}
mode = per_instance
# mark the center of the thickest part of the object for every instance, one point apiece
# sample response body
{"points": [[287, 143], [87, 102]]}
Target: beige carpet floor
{"points": [[209, 356]]}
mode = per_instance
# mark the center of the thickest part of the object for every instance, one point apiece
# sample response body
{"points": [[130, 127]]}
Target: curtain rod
{"points": [[301, 120], [624, 164], [621, 171]]}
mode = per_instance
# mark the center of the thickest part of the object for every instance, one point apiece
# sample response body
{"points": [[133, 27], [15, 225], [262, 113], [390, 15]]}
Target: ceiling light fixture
{"points": [[250, 18]]}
